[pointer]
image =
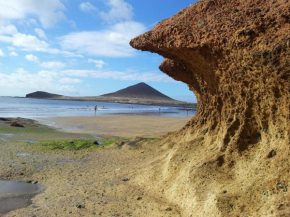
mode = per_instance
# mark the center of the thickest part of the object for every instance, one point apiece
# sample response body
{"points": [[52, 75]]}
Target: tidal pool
{"points": [[28, 141], [15, 195], [17, 187]]}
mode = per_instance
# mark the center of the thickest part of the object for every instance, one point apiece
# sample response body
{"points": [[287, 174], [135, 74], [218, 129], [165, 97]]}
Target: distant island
{"points": [[42, 95], [140, 93]]}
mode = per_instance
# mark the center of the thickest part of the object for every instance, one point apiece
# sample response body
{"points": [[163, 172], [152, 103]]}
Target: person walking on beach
{"points": [[96, 108]]}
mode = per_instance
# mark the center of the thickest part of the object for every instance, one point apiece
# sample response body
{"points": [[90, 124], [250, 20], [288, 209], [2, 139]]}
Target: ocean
{"points": [[44, 108]]}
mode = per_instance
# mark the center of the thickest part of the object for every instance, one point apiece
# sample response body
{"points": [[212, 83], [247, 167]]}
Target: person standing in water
{"points": [[96, 108]]}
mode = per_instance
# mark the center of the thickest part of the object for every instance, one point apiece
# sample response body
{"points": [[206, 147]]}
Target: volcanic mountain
{"points": [[141, 91], [42, 95]]}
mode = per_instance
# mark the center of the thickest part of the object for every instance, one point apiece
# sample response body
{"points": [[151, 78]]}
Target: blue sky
{"points": [[81, 48]]}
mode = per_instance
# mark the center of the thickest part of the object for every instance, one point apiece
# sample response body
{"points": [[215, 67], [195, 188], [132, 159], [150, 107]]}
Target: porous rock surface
{"points": [[232, 158]]}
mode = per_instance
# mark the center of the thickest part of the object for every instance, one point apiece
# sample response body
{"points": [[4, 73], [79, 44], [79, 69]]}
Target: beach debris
{"points": [[121, 144], [169, 209], [81, 206], [126, 179], [272, 153], [15, 124], [281, 186], [266, 193], [139, 198]]}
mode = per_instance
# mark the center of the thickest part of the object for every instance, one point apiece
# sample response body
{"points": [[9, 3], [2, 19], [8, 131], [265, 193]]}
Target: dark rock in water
{"points": [[4, 119], [15, 124]]}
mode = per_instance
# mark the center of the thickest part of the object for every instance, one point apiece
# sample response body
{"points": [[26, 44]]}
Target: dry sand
{"points": [[123, 126]]}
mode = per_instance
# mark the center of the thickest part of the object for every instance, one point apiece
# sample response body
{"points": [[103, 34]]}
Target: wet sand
{"points": [[123, 126]]}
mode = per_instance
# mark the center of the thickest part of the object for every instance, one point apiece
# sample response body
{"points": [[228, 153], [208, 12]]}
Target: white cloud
{"points": [[29, 82], [8, 30], [99, 63], [53, 65], [49, 12], [1, 53], [11, 48], [119, 11], [87, 7], [70, 81], [13, 54], [40, 33], [119, 75], [28, 42], [112, 42], [32, 58], [9, 34], [21, 71]]}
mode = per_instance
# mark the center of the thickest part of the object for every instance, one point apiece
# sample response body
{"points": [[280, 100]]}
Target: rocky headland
{"points": [[42, 95], [232, 158]]}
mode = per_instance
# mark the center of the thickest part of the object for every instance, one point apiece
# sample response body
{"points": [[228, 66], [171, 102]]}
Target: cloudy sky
{"points": [[81, 48]]}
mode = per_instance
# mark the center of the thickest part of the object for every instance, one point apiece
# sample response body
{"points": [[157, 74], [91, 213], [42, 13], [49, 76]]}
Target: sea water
{"points": [[42, 108]]}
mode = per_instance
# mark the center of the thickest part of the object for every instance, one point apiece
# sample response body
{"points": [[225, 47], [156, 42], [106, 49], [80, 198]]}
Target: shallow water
{"points": [[15, 195], [27, 141], [17, 187], [23, 154], [42, 108], [6, 134]]}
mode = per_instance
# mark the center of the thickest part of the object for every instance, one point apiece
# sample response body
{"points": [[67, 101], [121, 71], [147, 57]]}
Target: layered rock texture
{"points": [[233, 157]]}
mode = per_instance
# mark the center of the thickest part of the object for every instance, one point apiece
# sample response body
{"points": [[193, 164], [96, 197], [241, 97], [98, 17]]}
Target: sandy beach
{"points": [[93, 181], [123, 126]]}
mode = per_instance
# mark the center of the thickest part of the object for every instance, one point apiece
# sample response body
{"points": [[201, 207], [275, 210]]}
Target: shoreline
{"points": [[133, 101], [118, 125]]}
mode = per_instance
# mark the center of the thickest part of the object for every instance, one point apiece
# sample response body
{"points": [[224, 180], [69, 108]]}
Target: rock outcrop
{"points": [[232, 158], [42, 95]]}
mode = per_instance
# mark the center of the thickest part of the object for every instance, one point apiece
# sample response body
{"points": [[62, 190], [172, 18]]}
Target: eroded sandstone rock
{"points": [[235, 56]]}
